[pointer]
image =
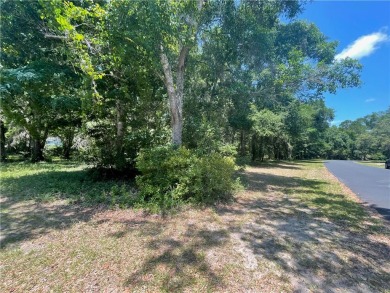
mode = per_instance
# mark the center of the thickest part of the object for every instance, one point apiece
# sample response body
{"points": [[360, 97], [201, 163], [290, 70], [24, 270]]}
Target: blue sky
{"points": [[362, 29]]}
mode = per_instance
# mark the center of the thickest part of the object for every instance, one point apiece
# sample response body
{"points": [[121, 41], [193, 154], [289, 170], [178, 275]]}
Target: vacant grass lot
{"points": [[293, 228]]}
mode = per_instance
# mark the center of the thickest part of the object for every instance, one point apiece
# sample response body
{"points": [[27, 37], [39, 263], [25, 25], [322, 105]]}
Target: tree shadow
{"points": [[34, 204], [45, 185], [321, 253], [383, 211], [49, 185], [178, 264], [304, 162], [133, 225], [261, 182], [325, 243], [29, 220], [277, 164]]}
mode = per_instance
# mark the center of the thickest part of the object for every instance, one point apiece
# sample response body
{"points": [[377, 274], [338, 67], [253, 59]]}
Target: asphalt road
{"points": [[371, 184]]}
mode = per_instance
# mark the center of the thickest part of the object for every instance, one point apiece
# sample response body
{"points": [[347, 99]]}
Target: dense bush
{"points": [[52, 151], [172, 176]]}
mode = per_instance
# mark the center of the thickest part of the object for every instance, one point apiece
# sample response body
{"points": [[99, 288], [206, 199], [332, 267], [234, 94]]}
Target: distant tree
{"points": [[368, 137], [28, 95], [381, 133], [337, 144], [269, 135], [68, 121], [34, 74]]}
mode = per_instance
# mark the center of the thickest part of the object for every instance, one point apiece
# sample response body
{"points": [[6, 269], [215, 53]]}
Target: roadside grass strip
{"points": [[293, 228]]}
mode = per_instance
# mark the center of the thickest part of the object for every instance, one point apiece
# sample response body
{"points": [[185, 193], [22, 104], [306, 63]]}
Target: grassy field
{"points": [[378, 164], [71, 181], [293, 228]]}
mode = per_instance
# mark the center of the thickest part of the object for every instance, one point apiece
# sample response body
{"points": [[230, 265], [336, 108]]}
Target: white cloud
{"points": [[370, 100], [363, 46], [335, 122]]}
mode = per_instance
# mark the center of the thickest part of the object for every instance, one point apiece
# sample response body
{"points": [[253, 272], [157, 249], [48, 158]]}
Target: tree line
{"points": [[230, 77], [362, 139]]}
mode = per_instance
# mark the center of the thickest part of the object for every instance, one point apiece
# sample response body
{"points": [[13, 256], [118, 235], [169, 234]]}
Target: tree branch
{"points": [[50, 36]]}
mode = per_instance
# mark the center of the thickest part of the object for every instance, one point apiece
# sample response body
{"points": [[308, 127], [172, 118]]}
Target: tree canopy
{"points": [[232, 77]]}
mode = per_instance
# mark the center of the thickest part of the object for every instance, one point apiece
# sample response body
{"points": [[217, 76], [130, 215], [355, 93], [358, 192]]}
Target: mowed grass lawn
{"points": [[378, 164], [293, 229]]}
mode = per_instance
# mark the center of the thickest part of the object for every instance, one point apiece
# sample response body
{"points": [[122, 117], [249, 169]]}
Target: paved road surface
{"points": [[371, 184]]}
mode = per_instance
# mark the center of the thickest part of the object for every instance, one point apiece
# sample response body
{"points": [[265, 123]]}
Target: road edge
{"points": [[370, 210]]}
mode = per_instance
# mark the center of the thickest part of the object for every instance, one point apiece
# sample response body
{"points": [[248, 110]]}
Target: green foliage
{"points": [[52, 151], [40, 98], [364, 138], [213, 177], [266, 123], [171, 176], [110, 74]]}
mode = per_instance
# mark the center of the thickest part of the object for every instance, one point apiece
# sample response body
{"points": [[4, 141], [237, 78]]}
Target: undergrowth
{"points": [[49, 181], [169, 178]]}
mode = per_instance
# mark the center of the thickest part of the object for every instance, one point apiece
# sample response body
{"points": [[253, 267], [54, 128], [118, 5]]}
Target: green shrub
{"points": [[172, 176], [52, 151], [378, 156], [213, 178]]}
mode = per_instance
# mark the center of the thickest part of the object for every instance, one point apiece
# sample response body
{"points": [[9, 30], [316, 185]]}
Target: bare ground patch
{"points": [[293, 229]]}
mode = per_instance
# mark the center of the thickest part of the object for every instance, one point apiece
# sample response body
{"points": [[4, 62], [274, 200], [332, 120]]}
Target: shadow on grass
{"points": [[263, 182], [52, 185], [291, 165], [20, 163], [28, 220], [327, 256], [324, 238], [46, 186], [383, 211], [179, 265], [334, 206], [30, 203]]}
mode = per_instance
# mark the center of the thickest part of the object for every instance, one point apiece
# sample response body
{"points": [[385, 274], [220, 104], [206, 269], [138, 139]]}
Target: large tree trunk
{"points": [[176, 91], [175, 94], [261, 150], [120, 135], [253, 148], [3, 130], [242, 143], [37, 150], [67, 143], [37, 146]]}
